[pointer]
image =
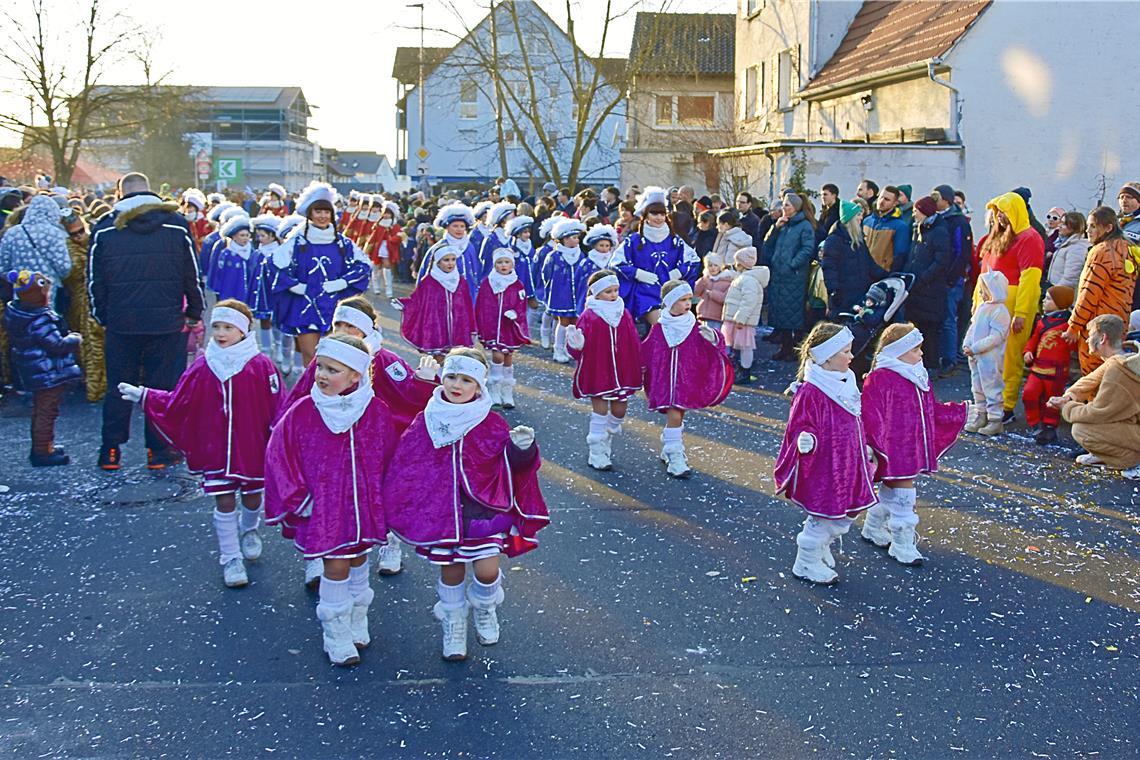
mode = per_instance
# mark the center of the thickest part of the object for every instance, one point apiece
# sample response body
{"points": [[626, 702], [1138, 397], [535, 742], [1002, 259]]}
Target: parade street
{"points": [[658, 618]]}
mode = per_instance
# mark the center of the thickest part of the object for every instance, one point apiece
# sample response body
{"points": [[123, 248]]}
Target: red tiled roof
{"points": [[886, 34]]}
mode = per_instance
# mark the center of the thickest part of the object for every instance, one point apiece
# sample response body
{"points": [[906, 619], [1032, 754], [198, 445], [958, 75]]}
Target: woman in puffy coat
{"points": [[788, 252], [848, 268], [1069, 251], [930, 261]]}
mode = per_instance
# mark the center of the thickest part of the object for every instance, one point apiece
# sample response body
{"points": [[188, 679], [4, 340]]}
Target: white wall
{"points": [[1050, 101]]}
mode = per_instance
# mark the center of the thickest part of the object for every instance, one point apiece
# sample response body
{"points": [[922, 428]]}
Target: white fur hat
{"points": [[230, 212], [600, 232], [289, 224], [393, 207], [652, 194], [516, 225], [215, 198], [353, 195], [548, 223], [267, 222], [499, 212], [216, 212], [195, 198], [235, 223], [502, 253], [316, 191], [482, 207], [453, 212], [277, 190], [566, 227]]}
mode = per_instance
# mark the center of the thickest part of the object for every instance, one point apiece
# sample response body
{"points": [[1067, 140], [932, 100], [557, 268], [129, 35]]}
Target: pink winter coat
{"points": [[906, 427], [435, 320], [694, 374], [497, 331], [711, 292], [609, 364]]}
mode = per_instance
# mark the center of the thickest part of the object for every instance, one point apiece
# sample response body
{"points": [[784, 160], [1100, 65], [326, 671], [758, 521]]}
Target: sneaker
{"points": [[1045, 436], [54, 459], [313, 570], [599, 458], [1008, 416], [161, 459], [233, 572], [675, 462], [810, 567], [486, 626], [390, 558], [109, 458], [994, 426], [904, 546], [251, 545], [1132, 473], [454, 623], [1089, 460]]}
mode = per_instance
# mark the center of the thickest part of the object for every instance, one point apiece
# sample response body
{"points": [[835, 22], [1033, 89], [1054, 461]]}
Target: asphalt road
{"points": [[659, 618]]}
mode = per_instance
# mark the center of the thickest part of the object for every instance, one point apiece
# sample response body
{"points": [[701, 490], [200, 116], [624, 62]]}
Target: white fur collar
{"points": [[500, 282], [342, 412], [449, 280], [447, 422], [840, 387], [676, 328], [227, 362], [609, 311], [655, 234]]}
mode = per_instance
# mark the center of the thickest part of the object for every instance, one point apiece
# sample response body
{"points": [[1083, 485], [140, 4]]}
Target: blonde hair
{"points": [[360, 303], [470, 353], [821, 333], [236, 305], [892, 333], [670, 286]]}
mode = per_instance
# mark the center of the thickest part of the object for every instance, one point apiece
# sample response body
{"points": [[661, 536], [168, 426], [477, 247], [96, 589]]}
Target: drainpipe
{"points": [[956, 100]]}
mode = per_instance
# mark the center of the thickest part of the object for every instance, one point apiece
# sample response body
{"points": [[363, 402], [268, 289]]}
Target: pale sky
{"points": [[340, 53]]}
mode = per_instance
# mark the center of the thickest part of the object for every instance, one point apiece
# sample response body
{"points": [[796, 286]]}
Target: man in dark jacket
{"points": [[142, 279], [828, 212], [929, 261], [749, 221], [962, 247], [684, 218]]}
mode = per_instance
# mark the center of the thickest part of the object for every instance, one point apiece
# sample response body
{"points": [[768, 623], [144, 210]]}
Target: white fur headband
{"points": [[464, 365], [354, 317], [902, 345], [676, 294], [831, 346], [609, 281], [230, 317], [347, 355]]}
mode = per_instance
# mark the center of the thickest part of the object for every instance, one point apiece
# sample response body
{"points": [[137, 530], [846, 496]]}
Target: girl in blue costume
{"points": [[651, 257], [518, 232], [600, 242], [560, 276], [498, 217], [456, 220], [234, 263], [265, 238], [314, 269], [543, 246], [480, 229], [284, 352]]}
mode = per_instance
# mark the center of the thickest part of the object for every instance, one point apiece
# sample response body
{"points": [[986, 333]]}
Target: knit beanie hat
{"points": [[847, 211], [945, 192], [715, 259], [1062, 295], [1131, 188], [926, 206], [745, 257], [31, 288], [907, 190], [796, 201]]}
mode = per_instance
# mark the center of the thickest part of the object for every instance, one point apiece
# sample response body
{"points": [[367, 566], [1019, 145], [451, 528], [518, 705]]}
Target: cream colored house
{"points": [[985, 95], [680, 99]]}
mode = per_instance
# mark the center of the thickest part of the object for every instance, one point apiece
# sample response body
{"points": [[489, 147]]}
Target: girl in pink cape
{"points": [[219, 416], [908, 431], [824, 464], [405, 392], [467, 492], [439, 315], [604, 342], [325, 468], [500, 314], [685, 368]]}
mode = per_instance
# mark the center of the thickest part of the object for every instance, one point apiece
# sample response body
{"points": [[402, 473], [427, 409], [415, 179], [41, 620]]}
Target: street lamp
{"points": [[420, 85]]}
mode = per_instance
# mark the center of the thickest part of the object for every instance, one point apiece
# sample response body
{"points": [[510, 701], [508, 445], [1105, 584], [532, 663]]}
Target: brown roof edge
{"points": [[886, 76]]}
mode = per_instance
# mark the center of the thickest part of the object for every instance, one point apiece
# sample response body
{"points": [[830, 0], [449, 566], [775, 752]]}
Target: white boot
{"points": [[375, 281], [904, 545], [390, 558], [386, 275], [675, 463], [507, 393], [976, 419], [483, 612], [335, 624], [599, 455], [358, 619], [809, 563], [493, 393], [313, 570], [875, 523], [994, 426], [454, 623]]}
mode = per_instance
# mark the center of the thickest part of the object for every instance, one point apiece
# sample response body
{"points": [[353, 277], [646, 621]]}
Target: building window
{"points": [[664, 110], [784, 83], [468, 100], [751, 92], [510, 138], [696, 110], [753, 6]]}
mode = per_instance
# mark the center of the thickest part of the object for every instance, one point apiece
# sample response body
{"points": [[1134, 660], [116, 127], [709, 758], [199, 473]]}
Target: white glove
{"points": [[674, 274], [396, 304], [299, 289], [870, 454], [575, 338], [335, 286], [427, 369], [510, 314], [805, 443], [522, 436], [644, 275], [132, 393], [709, 334]]}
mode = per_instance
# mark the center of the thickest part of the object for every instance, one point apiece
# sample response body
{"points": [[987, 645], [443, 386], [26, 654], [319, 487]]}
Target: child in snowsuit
{"points": [[984, 345], [1047, 355], [742, 306]]}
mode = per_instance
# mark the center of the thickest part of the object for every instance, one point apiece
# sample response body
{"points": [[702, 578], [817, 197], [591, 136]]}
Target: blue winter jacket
{"points": [[42, 354]]}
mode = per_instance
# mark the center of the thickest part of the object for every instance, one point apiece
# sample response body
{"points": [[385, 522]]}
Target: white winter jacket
{"points": [[1068, 259], [745, 297]]}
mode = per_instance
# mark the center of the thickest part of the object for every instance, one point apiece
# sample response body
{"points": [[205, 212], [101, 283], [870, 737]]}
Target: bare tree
{"points": [[518, 64], [60, 71]]}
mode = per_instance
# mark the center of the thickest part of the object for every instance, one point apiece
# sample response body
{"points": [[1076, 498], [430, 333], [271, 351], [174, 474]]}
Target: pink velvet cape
{"points": [[436, 321], [835, 479], [906, 427], [609, 364], [497, 332], [327, 488], [424, 498], [222, 429], [393, 381], [692, 375]]}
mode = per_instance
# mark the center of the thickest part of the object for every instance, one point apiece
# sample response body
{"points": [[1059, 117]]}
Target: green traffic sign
{"points": [[228, 169]]}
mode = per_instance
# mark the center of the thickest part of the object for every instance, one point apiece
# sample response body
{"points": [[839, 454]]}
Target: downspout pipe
{"points": [[956, 99]]}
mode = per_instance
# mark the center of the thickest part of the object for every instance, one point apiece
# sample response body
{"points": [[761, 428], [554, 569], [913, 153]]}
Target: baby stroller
{"points": [[880, 305]]}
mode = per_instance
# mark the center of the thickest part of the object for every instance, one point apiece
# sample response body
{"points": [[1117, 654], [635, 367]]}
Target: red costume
{"points": [[381, 238], [1049, 369]]}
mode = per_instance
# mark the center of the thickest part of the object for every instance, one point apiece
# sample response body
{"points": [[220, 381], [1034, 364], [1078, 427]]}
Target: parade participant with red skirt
{"points": [[500, 315]]}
